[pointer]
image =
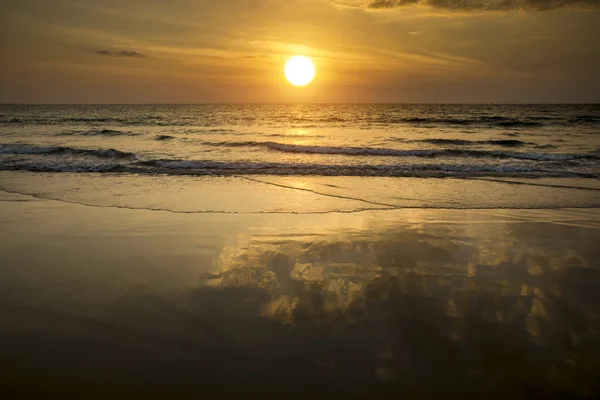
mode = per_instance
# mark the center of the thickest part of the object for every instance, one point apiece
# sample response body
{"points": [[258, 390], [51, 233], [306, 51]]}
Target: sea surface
{"points": [[462, 141]]}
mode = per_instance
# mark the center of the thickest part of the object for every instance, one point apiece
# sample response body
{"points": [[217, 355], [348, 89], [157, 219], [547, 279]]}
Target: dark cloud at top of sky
{"points": [[122, 53], [488, 5]]}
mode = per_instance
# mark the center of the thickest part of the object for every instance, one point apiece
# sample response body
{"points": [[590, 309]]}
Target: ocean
{"points": [[460, 141]]}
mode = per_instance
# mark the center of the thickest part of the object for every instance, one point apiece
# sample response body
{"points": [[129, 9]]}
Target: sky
{"points": [[206, 51]]}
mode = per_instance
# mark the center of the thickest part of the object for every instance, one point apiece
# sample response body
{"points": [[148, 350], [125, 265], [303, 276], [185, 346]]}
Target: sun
{"points": [[300, 71]]}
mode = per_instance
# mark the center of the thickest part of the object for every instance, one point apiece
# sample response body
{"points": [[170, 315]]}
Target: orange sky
{"points": [[195, 51]]}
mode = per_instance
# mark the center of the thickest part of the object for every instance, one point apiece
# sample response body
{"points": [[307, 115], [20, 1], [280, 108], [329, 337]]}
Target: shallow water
{"points": [[300, 194]]}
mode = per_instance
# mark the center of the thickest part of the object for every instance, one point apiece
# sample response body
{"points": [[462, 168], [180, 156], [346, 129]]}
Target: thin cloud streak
{"points": [[122, 53], [487, 5]]}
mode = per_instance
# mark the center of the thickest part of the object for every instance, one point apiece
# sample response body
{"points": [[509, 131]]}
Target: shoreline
{"points": [[300, 194]]}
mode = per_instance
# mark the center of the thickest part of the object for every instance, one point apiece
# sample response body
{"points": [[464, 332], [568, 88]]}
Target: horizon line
{"points": [[293, 103]]}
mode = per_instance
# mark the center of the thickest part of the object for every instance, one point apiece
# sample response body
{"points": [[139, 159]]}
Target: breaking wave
{"points": [[41, 150], [213, 167], [387, 152], [32, 150]]}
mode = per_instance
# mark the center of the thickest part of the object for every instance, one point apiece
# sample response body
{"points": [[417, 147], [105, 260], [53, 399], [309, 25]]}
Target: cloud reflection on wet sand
{"points": [[440, 309], [384, 304]]}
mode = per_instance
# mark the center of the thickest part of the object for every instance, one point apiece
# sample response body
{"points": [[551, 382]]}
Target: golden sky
{"points": [[196, 51]]}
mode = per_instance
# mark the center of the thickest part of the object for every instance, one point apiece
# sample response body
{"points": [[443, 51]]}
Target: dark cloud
{"points": [[488, 5], [122, 53], [251, 57]]}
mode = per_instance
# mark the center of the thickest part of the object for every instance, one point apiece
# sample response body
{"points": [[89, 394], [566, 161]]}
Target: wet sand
{"points": [[101, 301]]}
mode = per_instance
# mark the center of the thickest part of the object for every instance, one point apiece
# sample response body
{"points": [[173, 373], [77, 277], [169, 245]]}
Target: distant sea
{"points": [[459, 141]]}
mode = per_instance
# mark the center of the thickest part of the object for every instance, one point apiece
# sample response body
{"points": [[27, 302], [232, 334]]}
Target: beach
{"points": [[136, 286], [316, 199]]}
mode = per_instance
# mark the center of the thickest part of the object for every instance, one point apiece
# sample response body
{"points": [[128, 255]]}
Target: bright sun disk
{"points": [[300, 71]]}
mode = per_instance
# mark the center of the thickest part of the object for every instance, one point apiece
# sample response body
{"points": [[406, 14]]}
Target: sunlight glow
{"points": [[300, 71]]}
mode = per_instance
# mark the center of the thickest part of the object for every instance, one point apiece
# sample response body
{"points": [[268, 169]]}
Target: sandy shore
{"points": [[98, 300]]}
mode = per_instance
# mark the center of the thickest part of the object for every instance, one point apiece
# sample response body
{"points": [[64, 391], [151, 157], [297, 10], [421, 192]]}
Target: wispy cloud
{"points": [[487, 5], [122, 53]]}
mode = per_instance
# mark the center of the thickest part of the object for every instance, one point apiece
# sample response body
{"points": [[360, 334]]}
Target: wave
{"points": [[44, 150], [369, 151], [518, 124], [457, 142], [100, 132], [585, 119], [307, 149], [63, 167], [215, 130], [212, 167], [164, 137], [423, 120], [497, 121], [94, 121], [387, 152], [216, 124], [61, 120], [505, 142], [451, 142], [11, 121], [245, 166], [52, 159]]}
